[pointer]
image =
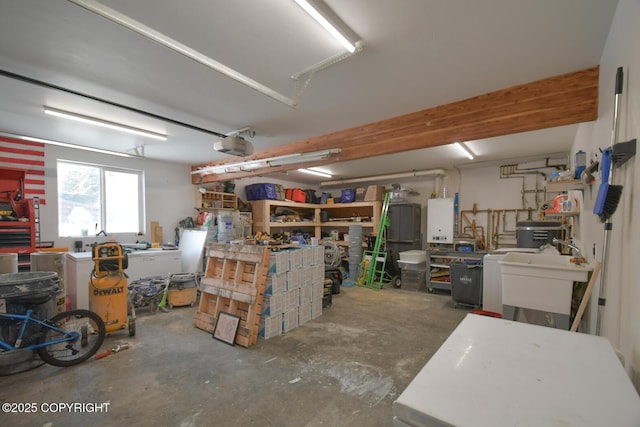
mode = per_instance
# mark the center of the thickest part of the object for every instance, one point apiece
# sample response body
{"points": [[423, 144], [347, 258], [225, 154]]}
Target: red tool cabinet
{"points": [[17, 218]]}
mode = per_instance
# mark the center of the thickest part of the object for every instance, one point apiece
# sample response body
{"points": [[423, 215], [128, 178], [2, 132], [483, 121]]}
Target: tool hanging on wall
{"points": [[609, 193]]}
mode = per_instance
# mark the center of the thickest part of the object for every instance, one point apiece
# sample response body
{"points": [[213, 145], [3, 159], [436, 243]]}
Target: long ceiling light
{"points": [[158, 37], [384, 178], [316, 172], [328, 20], [74, 146], [103, 123], [287, 159], [302, 158], [463, 149]]}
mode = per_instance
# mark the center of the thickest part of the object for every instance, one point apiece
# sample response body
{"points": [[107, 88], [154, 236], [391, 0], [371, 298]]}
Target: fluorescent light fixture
{"points": [[302, 157], [294, 160], [322, 14], [464, 150], [74, 146], [287, 159], [176, 46], [103, 123], [315, 172], [321, 170]]}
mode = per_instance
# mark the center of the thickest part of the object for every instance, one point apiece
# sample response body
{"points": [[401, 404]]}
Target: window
{"points": [[93, 198]]}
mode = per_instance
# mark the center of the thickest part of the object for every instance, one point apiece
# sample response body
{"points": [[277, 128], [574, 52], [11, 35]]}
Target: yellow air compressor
{"points": [[108, 293]]}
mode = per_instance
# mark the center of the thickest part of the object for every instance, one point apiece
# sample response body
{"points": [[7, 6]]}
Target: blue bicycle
{"points": [[68, 338]]}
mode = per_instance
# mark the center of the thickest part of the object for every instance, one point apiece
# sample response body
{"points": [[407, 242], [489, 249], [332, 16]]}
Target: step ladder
{"points": [[373, 274]]}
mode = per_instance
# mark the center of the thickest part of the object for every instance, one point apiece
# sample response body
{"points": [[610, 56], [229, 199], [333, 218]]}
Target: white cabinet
{"points": [[79, 266]]}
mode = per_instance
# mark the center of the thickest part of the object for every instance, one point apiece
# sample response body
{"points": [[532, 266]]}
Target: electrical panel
{"points": [[440, 221]]}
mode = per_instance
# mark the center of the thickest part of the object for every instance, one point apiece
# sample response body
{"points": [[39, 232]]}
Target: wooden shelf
{"points": [[564, 185], [215, 200], [263, 210], [561, 214]]}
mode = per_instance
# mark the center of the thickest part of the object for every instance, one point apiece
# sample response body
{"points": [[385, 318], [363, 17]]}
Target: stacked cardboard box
{"points": [[294, 290]]}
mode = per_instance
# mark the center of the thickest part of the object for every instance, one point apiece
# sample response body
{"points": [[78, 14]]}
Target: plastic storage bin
{"points": [[413, 275], [466, 283]]}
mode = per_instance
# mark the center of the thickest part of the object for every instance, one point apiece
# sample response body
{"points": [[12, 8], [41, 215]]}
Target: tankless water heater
{"points": [[440, 220]]}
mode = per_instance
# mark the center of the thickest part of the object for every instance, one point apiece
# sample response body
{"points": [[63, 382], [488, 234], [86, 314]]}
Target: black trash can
{"points": [[466, 283], [35, 290]]}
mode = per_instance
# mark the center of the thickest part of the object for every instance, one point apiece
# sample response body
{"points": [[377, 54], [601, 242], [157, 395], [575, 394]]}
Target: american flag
{"points": [[29, 156]]}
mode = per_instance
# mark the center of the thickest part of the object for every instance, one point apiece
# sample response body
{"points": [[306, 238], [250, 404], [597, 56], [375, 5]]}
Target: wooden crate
{"points": [[234, 282]]}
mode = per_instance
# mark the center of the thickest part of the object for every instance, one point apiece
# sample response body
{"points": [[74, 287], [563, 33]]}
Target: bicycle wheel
{"points": [[87, 329]]}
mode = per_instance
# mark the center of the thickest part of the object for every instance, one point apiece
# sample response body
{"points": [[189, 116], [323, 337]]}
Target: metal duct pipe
{"points": [[389, 177]]}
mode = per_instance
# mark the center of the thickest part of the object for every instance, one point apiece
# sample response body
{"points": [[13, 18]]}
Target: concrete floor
{"points": [[344, 368]]}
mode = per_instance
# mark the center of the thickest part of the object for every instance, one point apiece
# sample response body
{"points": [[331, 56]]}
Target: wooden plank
{"points": [[556, 101], [248, 253], [210, 285], [585, 298], [156, 232], [204, 321]]}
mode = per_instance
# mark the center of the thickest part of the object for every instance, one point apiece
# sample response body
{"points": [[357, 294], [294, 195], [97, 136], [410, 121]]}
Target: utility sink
{"points": [[540, 281]]}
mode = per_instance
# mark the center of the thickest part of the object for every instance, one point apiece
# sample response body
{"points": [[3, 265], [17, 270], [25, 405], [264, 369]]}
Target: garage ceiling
{"points": [[418, 54]]}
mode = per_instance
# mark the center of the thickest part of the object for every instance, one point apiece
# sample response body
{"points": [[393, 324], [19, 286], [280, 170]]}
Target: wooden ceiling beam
{"points": [[556, 101]]}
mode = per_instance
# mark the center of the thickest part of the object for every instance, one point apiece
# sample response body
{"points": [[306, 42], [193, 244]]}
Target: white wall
{"points": [[169, 195], [621, 315]]}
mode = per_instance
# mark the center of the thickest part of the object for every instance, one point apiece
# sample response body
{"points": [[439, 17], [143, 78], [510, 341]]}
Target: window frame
{"points": [[103, 169]]}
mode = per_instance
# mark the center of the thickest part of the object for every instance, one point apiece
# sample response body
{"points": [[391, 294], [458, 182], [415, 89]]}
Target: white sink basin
{"points": [[555, 266], [540, 282]]}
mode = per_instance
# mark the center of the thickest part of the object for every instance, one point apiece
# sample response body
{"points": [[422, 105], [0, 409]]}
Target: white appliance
{"points": [[440, 221], [499, 373]]}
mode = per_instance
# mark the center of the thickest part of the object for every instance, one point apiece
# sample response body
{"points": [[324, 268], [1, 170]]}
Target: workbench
{"points": [[496, 372]]}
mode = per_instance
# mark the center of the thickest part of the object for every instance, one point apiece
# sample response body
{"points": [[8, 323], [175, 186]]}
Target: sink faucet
{"points": [[576, 251]]}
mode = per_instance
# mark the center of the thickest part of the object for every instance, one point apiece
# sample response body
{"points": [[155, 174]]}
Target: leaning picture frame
{"points": [[226, 327]]}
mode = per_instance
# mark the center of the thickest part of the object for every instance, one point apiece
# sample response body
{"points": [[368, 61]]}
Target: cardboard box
{"points": [[290, 320], [270, 326], [304, 313], [317, 275], [306, 276], [316, 308], [275, 284], [291, 299], [272, 305], [373, 193], [306, 292], [317, 291], [307, 256], [294, 278], [295, 258], [279, 262], [318, 255]]}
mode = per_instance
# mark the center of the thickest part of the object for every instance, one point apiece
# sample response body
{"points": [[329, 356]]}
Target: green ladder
{"points": [[373, 273]]}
